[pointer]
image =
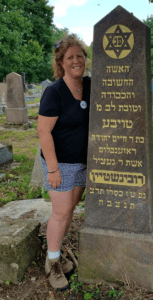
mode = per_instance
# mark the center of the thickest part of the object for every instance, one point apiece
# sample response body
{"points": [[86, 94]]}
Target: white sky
{"points": [[79, 16]]}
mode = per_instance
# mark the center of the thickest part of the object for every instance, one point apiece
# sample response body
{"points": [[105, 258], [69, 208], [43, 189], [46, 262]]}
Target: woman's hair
{"points": [[60, 49]]}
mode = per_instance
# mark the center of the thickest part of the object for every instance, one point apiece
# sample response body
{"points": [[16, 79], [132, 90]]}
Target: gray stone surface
{"points": [[6, 153], [2, 93], [119, 195], [44, 84], [34, 209], [120, 159], [37, 177], [16, 112], [31, 86], [19, 246], [116, 256], [16, 115]]}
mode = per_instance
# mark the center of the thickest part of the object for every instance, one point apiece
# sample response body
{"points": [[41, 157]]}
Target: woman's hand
{"points": [[54, 179]]}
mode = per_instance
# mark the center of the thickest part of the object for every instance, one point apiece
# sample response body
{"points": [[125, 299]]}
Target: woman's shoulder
{"points": [[87, 79], [55, 85]]}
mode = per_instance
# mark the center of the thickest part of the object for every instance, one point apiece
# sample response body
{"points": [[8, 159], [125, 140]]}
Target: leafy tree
{"points": [[149, 22], [40, 16], [15, 51], [26, 38]]}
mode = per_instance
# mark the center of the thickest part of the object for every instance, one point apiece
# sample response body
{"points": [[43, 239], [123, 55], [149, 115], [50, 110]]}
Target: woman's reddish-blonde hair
{"points": [[60, 49]]}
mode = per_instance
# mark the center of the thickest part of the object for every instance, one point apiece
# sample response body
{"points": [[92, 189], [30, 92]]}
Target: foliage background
{"points": [[27, 38]]}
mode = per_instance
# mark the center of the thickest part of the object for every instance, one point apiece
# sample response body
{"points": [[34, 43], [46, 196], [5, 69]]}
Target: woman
{"points": [[63, 132]]}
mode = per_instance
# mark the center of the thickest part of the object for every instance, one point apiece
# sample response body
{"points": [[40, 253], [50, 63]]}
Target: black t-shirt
{"points": [[70, 132]]}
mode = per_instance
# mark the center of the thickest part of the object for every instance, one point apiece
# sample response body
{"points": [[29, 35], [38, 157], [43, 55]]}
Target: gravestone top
{"points": [[119, 169], [45, 83]]}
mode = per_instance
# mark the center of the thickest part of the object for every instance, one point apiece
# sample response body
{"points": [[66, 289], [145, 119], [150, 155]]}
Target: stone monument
{"points": [[16, 113], [2, 97], [44, 84], [37, 177], [116, 243]]}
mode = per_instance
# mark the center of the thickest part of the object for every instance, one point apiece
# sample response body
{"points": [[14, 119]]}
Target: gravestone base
{"points": [[19, 246], [115, 256], [16, 115]]}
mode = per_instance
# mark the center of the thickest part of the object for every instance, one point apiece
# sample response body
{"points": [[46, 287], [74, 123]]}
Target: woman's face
{"points": [[73, 62]]}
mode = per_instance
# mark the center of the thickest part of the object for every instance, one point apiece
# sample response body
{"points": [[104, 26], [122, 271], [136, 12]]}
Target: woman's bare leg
{"points": [[62, 208], [76, 197]]}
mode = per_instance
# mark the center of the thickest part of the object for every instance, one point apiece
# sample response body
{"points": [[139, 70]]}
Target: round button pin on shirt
{"points": [[83, 104]]}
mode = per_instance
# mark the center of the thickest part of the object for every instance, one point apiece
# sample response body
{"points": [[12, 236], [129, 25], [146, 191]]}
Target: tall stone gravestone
{"points": [[117, 241], [16, 113]]}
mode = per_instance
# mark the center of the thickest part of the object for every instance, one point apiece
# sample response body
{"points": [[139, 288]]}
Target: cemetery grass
{"points": [[25, 144]]}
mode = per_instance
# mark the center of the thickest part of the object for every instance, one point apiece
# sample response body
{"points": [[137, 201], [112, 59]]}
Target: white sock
{"points": [[52, 255]]}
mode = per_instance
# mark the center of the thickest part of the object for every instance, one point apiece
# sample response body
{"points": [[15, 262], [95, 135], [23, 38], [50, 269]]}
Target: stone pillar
{"points": [[16, 113], [117, 240]]}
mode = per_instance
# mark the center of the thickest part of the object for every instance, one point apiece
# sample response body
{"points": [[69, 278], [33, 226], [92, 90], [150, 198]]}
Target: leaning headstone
{"points": [[116, 243], [37, 178], [6, 153], [16, 113]]}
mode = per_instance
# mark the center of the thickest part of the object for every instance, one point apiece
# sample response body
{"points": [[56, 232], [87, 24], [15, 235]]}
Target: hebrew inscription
{"points": [[119, 165]]}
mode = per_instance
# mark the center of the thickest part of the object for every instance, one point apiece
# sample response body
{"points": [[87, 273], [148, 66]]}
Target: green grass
{"points": [[16, 183], [36, 100]]}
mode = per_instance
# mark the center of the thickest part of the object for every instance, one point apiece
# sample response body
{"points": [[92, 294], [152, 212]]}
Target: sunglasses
{"points": [[71, 36]]}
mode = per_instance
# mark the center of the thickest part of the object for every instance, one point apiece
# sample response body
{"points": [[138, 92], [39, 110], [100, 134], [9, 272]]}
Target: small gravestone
{"points": [[44, 84], [31, 86], [2, 93], [6, 153], [19, 246], [2, 97], [16, 113], [117, 240], [37, 177]]}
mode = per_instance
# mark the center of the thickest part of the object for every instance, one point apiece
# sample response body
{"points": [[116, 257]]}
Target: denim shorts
{"points": [[72, 175]]}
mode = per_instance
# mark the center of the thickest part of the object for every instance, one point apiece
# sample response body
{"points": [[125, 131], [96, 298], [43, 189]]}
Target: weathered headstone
{"points": [[16, 113], [37, 177], [2, 93], [44, 84], [117, 240], [19, 246], [31, 86], [6, 153], [2, 97]]}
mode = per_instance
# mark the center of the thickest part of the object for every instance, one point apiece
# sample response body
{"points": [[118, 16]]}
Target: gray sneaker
{"points": [[54, 273]]}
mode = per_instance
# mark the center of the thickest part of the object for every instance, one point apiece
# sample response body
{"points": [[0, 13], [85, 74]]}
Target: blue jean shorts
{"points": [[72, 175]]}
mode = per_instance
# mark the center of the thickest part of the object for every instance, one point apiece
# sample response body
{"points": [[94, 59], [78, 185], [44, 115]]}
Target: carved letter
{"points": [[103, 94], [104, 123], [101, 202]]}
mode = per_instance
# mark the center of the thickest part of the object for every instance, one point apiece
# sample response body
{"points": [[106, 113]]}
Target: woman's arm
{"points": [[45, 126]]}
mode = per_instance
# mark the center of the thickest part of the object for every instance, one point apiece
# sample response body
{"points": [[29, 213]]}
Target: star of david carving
{"points": [[118, 41]]}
